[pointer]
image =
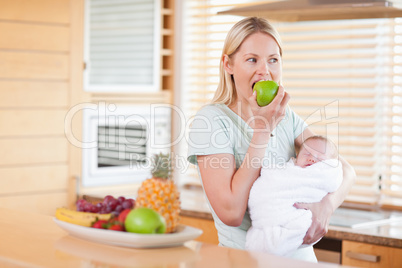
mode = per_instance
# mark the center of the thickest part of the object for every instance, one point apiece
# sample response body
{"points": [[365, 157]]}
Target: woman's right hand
{"points": [[227, 187], [268, 117]]}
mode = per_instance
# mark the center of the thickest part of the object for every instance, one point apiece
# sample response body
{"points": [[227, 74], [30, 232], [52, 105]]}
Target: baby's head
{"points": [[315, 149]]}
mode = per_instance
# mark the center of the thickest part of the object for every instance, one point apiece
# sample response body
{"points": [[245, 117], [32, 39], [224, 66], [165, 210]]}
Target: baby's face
{"points": [[313, 151]]}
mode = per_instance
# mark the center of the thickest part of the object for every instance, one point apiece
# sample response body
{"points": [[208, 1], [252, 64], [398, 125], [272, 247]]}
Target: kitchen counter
{"points": [[34, 240], [387, 234], [194, 204]]}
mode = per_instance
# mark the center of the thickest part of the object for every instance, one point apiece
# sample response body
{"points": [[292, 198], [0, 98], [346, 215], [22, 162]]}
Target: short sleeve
{"points": [[298, 124], [210, 133]]}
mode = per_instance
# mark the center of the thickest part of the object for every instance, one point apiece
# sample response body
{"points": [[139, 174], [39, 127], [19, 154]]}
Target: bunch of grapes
{"points": [[108, 205]]}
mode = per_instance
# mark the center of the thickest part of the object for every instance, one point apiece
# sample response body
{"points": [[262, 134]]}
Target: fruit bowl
{"points": [[183, 234]]}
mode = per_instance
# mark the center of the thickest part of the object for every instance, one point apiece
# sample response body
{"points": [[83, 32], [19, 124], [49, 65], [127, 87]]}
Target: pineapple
{"points": [[160, 193]]}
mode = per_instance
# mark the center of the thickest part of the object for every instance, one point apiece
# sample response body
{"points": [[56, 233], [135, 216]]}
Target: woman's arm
{"points": [[323, 210], [228, 188]]}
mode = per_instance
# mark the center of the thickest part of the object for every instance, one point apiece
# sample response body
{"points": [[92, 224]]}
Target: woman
{"points": [[233, 137]]}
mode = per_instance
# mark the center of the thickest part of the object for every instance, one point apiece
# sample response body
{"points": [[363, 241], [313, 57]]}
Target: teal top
{"points": [[216, 129]]}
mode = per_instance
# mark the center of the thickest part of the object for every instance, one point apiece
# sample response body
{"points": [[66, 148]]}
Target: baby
{"points": [[277, 226], [315, 149]]}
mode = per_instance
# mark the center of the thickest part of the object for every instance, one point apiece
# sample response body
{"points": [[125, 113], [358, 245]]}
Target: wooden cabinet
{"points": [[38, 48], [209, 234], [41, 73], [369, 255]]}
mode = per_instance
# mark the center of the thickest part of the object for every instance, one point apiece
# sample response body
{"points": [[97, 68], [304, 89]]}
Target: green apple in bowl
{"points": [[266, 91], [145, 221]]}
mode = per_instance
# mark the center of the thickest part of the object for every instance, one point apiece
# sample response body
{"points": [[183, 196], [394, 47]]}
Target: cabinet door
{"points": [[122, 46], [368, 255]]}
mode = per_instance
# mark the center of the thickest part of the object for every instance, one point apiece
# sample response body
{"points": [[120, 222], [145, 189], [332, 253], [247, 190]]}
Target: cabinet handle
{"points": [[362, 256]]}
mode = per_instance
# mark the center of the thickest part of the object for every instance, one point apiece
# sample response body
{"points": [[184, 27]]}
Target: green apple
{"points": [[266, 92], [145, 221]]}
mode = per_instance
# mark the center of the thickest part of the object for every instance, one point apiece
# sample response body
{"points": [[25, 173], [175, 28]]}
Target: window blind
{"points": [[391, 176], [202, 42], [334, 72], [344, 78]]}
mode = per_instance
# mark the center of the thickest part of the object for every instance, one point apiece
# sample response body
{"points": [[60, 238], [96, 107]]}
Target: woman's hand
{"points": [[322, 212], [227, 187], [268, 117]]}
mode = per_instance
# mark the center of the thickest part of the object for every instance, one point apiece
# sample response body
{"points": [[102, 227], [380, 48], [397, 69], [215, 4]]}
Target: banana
{"points": [[78, 217]]}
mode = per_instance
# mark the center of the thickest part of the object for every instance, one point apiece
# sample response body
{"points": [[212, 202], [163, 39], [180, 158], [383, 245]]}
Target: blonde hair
{"points": [[226, 91]]}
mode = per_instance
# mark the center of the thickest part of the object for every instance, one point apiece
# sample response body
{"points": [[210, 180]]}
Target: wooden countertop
{"points": [[34, 240]]}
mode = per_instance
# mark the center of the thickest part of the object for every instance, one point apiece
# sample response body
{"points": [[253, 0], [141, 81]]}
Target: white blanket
{"points": [[277, 226]]}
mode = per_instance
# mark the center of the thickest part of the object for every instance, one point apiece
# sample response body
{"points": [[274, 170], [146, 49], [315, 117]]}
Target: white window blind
{"points": [[391, 175], [335, 71], [122, 45], [344, 78], [203, 36]]}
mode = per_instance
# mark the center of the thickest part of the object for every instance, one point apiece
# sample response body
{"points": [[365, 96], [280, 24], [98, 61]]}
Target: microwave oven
{"points": [[120, 141]]}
